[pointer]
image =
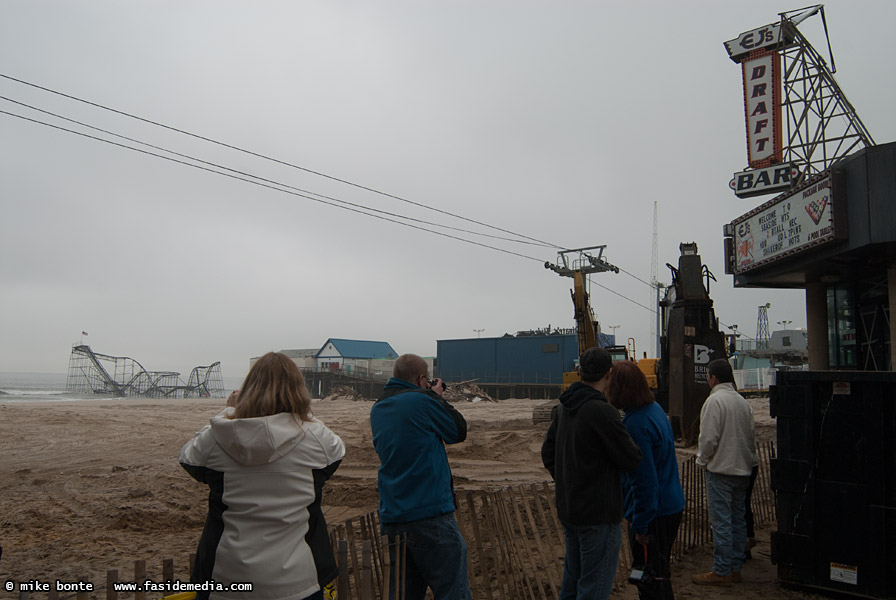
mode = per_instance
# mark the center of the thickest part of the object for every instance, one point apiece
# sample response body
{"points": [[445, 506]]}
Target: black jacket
{"points": [[586, 450]]}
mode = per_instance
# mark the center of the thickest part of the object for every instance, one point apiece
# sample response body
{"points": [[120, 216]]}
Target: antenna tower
{"points": [[762, 333], [655, 301]]}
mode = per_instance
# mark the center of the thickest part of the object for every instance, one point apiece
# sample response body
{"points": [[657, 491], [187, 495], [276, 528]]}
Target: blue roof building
{"points": [[353, 355]]}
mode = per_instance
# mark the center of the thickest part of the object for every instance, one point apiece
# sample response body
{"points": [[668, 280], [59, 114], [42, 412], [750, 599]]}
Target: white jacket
{"points": [[727, 443], [263, 473]]}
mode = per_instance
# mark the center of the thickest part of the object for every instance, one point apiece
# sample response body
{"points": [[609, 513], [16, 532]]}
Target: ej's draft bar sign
{"points": [[760, 63]]}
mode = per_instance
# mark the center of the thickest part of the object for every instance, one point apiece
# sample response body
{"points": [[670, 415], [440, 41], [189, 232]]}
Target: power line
{"points": [[621, 295], [262, 156], [265, 185], [262, 182], [647, 283], [187, 156]]}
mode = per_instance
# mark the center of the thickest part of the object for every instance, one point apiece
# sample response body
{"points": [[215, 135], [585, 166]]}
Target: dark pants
{"points": [[662, 532], [436, 558]]}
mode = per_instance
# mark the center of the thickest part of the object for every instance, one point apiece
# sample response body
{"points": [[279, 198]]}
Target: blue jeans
{"points": [[592, 554], [726, 496], [436, 557]]}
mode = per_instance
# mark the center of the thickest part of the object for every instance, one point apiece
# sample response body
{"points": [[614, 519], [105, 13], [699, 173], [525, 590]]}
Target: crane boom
{"points": [[578, 264]]}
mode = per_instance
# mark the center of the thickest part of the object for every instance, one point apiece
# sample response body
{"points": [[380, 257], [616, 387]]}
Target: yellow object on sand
{"points": [[329, 591], [181, 596]]}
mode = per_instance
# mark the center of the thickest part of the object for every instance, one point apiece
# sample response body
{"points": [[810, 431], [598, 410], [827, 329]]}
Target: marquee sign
{"points": [[762, 94], [808, 217]]}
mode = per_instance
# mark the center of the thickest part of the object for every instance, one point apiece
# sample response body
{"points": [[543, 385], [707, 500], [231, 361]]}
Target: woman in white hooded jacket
{"points": [[265, 461]]}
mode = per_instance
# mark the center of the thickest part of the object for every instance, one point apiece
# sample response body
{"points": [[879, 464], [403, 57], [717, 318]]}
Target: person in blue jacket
{"points": [[654, 499], [411, 424]]}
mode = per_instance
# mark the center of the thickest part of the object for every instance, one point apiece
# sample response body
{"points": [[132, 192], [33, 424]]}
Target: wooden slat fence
{"points": [[695, 529], [515, 545]]}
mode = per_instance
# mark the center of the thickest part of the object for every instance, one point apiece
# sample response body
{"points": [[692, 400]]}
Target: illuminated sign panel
{"points": [[762, 84], [810, 216]]}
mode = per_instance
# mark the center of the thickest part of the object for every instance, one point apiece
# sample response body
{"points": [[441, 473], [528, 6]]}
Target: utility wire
{"points": [[621, 269], [266, 185], [262, 156], [303, 193], [199, 160], [653, 310]]}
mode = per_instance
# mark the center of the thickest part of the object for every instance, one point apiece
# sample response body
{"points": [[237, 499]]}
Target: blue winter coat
{"points": [[410, 427], [654, 489]]}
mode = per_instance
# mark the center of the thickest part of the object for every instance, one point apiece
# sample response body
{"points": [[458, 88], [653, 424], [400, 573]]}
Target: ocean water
{"points": [[50, 387], [35, 387]]}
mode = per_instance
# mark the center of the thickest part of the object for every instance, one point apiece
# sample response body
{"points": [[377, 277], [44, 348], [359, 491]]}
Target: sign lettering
{"points": [[763, 37], [761, 82], [786, 226], [758, 182]]}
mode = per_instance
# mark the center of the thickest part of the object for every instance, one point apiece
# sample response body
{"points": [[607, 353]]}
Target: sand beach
{"points": [[93, 485]]}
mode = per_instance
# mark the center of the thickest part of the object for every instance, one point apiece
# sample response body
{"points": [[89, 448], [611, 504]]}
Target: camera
{"points": [[432, 383], [640, 576]]}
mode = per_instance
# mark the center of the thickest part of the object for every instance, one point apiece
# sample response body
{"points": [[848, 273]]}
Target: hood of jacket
{"points": [[577, 394], [258, 440]]}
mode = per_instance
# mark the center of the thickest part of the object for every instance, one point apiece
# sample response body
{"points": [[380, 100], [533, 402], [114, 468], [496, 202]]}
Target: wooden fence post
{"points": [[139, 577], [111, 580], [83, 595], [343, 587], [167, 569], [366, 571]]}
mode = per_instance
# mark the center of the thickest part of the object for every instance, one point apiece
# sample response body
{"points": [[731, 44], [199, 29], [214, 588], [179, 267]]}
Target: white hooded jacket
{"points": [[264, 525]]}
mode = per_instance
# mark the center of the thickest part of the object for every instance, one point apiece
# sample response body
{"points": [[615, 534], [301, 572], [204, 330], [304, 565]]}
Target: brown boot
{"points": [[710, 578], [736, 577]]}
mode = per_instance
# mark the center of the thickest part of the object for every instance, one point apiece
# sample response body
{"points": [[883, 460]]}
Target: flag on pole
{"points": [[83, 333]]}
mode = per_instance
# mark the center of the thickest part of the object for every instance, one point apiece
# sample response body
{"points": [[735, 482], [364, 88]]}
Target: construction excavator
{"points": [[578, 264], [690, 336]]}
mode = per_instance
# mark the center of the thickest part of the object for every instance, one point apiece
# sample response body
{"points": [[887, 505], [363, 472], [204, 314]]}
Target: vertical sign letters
{"points": [[762, 81]]}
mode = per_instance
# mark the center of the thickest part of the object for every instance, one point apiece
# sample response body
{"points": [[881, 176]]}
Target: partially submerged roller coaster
{"points": [[120, 376]]}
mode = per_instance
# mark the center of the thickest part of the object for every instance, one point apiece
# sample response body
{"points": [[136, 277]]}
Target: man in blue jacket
{"points": [[411, 424]]}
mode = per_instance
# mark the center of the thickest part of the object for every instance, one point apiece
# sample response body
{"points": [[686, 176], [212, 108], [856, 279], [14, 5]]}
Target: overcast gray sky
{"points": [[561, 122]]}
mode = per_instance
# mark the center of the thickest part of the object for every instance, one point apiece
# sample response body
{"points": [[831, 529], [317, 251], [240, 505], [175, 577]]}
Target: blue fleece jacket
{"points": [[410, 427], [654, 490]]}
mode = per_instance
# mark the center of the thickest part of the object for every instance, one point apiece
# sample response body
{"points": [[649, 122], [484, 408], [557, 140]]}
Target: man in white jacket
{"points": [[727, 450]]}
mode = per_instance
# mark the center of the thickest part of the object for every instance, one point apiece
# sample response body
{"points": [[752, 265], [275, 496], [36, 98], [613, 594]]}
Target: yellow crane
{"points": [[578, 264]]}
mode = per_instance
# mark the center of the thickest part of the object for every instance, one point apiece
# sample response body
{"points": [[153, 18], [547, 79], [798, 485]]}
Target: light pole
{"points": [[784, 324], [478, 331], [614, 328]]}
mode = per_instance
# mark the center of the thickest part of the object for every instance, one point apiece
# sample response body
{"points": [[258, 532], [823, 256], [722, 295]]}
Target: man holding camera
{"points": [[411, 424]]}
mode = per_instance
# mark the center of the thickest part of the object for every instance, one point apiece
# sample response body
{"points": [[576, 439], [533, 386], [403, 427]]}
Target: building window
{"points": [[841, 328]]}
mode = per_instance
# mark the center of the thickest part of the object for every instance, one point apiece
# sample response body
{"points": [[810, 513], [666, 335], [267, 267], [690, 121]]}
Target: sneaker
{"points": [[736, 577], [710, 578]]}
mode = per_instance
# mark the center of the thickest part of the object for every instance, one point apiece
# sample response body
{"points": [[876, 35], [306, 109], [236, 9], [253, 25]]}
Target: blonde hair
{"points": [[274, 385]]}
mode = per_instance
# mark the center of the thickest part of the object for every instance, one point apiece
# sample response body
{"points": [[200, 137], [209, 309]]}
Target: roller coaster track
{"points": [[88, 373]]}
